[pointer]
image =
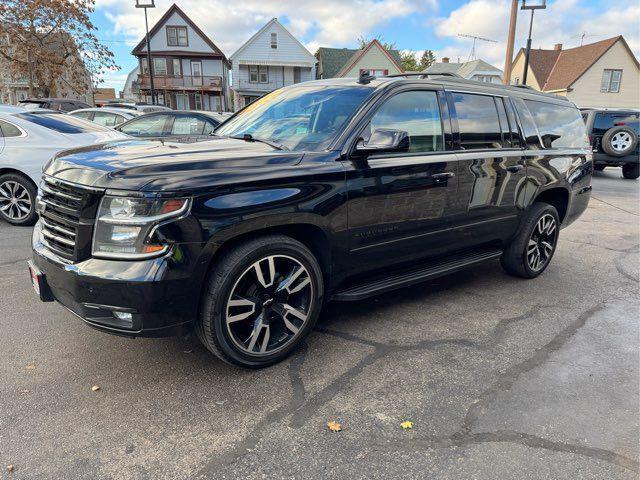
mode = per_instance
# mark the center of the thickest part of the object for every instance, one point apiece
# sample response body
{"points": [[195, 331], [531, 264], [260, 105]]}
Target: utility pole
{"points": [[148, 4], [533, 9], [508, 62]]}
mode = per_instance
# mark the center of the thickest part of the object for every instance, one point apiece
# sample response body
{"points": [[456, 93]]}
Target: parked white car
{"points": [[28, 139], [106, 116]]}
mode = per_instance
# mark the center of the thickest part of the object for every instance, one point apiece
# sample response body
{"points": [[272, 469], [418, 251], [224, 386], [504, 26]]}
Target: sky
{"points": [[413, 25]]}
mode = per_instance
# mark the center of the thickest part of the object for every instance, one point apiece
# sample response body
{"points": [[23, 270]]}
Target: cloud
{"points": [[562, 22]]}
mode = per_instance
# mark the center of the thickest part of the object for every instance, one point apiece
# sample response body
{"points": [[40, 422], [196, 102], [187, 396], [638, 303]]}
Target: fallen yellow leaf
{"points": [[9, 468], [334, 426], [406, 424], [95, 388]]}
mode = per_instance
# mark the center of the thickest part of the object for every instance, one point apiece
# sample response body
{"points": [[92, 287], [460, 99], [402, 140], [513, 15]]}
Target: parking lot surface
{"points": [[501, 378]]}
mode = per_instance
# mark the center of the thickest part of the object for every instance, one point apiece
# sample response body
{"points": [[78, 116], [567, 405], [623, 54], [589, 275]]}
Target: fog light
{"points": [[124, 316]]}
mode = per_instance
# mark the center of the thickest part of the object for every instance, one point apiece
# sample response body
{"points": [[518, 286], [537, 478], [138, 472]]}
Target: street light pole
{"points": [[148, 4], [527, 52]]}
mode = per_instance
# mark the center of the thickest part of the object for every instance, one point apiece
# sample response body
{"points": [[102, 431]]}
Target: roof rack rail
{"points": [[423, 75]]}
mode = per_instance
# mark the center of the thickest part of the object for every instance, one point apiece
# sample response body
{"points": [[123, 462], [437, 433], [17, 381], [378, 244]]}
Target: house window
{"points": [[274, 40], [611, 81], [144, 66], [159, 66], [177, 37], [253, 74], [198, 101], [264, 74], [296, 75], [177, 67], [258, 74]]}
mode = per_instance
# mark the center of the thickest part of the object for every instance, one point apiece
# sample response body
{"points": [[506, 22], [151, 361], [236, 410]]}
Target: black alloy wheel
{"points": [[262, 298]]}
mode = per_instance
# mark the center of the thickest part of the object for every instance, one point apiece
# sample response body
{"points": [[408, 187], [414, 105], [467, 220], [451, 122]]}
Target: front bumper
{"points": [[161, 294]]}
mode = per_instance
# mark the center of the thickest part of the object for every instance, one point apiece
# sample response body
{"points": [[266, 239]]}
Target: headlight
{"points": [[124, 226]]}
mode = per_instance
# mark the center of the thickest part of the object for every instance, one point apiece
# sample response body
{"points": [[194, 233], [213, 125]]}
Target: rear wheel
{"points": [[18, 199], [261, 301], [531, 251], [631, 171]]}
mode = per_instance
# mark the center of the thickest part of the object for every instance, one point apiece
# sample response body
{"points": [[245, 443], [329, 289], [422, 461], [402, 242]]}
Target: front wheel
{"points": [[631, 171], [530, 252], [261, 301]]}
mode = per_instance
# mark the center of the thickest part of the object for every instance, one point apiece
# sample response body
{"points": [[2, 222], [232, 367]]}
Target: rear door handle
{"points": [[514, 168], [441, 177]]}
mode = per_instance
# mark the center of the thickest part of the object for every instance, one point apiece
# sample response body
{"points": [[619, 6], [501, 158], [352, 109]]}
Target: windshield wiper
{"points": [[247, 137]]}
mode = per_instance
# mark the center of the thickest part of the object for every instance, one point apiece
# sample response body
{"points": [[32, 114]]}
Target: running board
{"points": [[432, 270]]}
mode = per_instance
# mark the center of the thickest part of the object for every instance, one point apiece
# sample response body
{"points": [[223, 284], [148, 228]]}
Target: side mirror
{"points": [[385, 140]]}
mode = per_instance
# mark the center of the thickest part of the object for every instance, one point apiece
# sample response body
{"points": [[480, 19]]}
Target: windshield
{"points": [[299, 118], [62, 123]]}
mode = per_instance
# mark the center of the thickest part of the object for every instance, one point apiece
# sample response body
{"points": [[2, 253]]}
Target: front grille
{"points": [[67, 214]]}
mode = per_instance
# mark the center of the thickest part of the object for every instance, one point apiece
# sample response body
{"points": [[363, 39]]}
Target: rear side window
{"points": [[106, 119], [61, 123], [605, 121], [9, 130], [187, 126], [147, 125], [529, 129], [559, 126], [85, 115], [478, 121]]}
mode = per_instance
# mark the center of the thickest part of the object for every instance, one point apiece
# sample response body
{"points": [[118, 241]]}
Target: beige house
{"points": [[601, 74], [372, 59]]}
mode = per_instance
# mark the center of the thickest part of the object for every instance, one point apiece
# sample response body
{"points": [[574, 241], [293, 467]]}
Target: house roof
{"points": [[267, 25], [464, 69], [140, 48], [559, 69], [335, 60]]}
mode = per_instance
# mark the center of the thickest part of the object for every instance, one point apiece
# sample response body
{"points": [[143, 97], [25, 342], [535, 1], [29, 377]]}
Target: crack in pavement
{"points": [[618, 263]]}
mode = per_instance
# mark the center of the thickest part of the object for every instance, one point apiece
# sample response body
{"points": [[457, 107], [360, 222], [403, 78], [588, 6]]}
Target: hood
{"points": [[155, 165]]}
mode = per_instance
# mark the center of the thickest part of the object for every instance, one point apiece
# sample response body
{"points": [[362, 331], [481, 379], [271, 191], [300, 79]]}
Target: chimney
{"points": [[445, 59], [557, 46]]}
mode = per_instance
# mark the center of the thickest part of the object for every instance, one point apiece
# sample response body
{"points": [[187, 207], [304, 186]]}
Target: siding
{"points": [[518, 71], [373, 59], [159, 40], [586, 90]]}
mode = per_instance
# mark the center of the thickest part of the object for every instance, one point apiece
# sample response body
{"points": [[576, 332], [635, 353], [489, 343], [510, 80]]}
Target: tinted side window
{"points": [[9, 130], [559, 126], [147, 125], [416, 113], [478, 121], [529, 129], [61, 123]]}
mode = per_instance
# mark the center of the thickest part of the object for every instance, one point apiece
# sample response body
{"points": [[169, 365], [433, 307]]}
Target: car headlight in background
{"points": [[124, 225]]}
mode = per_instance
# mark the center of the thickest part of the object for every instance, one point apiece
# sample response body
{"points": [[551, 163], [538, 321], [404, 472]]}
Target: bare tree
{"points": [[52, 43]]}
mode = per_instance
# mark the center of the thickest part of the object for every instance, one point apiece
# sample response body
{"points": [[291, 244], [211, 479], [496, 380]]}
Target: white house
{"points": [[474, 70], [189, 70], [270, 59]]}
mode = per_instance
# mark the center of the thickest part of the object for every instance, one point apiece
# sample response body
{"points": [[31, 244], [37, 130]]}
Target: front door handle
{"points": [[514, 168], [443, 177]]}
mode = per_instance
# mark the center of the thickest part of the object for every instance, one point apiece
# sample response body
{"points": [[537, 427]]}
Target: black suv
{"points": [[613, 135], [334, 189]]}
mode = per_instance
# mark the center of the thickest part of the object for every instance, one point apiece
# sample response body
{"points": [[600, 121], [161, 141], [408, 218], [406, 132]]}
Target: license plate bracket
{"points": [[39, 283]]}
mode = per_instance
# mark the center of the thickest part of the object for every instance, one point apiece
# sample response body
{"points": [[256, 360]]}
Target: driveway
{"points": [[501, 377]]}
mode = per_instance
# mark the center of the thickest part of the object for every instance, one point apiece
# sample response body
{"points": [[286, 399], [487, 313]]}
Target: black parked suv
{"points": [[613, 135], [334, 189], [65, 105]]}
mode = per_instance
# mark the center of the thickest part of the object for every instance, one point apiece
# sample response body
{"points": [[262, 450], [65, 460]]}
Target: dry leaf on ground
{"points": [[334, 426], [406, 424], [9, 468], [95, 388], [31, 366]]}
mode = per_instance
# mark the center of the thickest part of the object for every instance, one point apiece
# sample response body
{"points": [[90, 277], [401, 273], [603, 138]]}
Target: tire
{"points": [[516, 259], [256, 320], [17, 193], [631, 171], [619, 141], [599, 168]]}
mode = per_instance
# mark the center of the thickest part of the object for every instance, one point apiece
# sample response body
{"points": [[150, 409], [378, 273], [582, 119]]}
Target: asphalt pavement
{"points": [[501, 378]]}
